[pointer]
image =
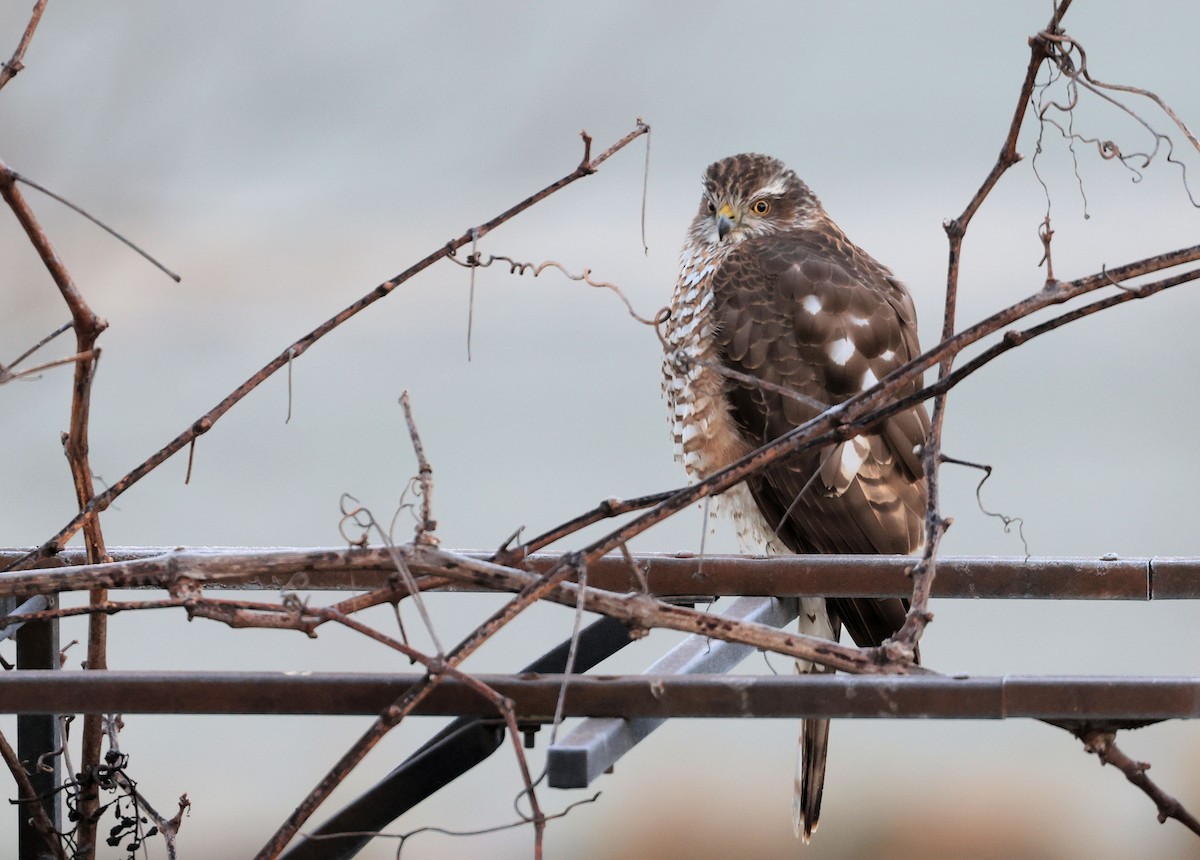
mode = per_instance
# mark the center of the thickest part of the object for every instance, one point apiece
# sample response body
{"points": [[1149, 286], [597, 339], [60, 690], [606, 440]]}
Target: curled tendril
{"points": [[516, 267], [1069, 62]]}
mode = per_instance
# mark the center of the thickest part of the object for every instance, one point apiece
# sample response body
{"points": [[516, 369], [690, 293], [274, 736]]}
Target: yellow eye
{"points": [[761, 207]]}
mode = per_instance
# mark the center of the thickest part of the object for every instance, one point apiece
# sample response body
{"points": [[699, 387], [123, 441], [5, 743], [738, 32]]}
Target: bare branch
{"points": [[61, 329], [427, 525], [202, 425], [88, 327], [8, 376], [109, 230], [1102, 744], [15, 64]]}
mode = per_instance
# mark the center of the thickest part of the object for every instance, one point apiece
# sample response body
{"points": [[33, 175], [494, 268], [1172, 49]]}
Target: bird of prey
{"points": [[777, 315]]}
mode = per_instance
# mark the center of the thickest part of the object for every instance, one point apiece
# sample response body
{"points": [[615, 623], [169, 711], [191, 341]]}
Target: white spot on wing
{"points": [[840, 350], [869, 379], [853, 454], [812, 304], [861, 322], [841, 468], [888, 355]]}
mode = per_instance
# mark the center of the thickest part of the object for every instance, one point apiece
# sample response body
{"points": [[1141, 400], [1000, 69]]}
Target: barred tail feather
{"points": [[810, 777], [815, 620]]}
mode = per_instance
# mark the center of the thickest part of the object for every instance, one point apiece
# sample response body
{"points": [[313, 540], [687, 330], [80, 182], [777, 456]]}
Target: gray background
{"points": [[287, 157]]}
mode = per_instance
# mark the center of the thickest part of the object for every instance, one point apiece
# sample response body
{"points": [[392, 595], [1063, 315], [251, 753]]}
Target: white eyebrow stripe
{"points": [[775, 188]]}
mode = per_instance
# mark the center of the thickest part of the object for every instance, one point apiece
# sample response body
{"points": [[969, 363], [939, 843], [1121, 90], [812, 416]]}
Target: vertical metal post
{"points": [[37, 734]]}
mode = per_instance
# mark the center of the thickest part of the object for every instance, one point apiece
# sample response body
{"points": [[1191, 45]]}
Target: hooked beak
{"points": [[724, 221]]}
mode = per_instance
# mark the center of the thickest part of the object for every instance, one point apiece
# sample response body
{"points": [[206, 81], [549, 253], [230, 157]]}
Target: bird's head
{"points": [[751, 195]]}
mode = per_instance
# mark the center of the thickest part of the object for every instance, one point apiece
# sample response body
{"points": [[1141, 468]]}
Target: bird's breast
{"points": [[706, 437]]}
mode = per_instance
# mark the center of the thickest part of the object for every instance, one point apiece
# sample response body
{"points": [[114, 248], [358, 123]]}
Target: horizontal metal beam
{"points": [[659, 696], [783, 576]]}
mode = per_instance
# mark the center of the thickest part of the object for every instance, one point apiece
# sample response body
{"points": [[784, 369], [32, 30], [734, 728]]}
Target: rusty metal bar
{"points": [[785, 576], [659, 696], [598, 743]]}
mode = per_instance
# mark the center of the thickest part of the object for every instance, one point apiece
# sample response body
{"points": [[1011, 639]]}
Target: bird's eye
{"points": [[712, 207], [761, 207]]}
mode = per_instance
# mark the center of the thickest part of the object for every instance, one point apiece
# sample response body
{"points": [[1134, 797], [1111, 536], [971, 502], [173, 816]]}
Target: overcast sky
{"points": [[287, 157]]}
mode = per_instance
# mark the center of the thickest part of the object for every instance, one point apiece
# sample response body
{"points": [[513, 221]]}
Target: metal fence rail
{"points": [[1045, 578], [535, 696], [621, 710]]}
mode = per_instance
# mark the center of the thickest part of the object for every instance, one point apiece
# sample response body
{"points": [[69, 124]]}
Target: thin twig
{"points": [[9, 70], [60, 330], [109, 230], [427, 525], [7, 375], [645, 191], [168, 828], [444, 831]]}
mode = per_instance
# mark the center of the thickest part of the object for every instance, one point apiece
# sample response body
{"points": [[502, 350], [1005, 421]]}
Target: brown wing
{"points": [[809, 311]]}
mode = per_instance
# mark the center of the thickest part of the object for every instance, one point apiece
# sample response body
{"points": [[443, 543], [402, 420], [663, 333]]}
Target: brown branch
{"points": [[605, 510], [9, 70], [437, 670], [426, 525], [1103, 745], [88, 327], [205, 423], [6, 375], [168, 828], [923, 573]]}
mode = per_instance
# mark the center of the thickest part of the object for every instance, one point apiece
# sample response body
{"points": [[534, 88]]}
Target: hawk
{"points": [[777, 315]]}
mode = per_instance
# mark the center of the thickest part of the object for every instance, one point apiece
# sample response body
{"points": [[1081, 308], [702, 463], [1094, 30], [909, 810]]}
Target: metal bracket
{"points": [[595, 744]]}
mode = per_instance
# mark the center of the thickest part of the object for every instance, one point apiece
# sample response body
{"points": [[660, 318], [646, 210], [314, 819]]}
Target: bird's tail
{"points": [[810, 777], [815, 620]]}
